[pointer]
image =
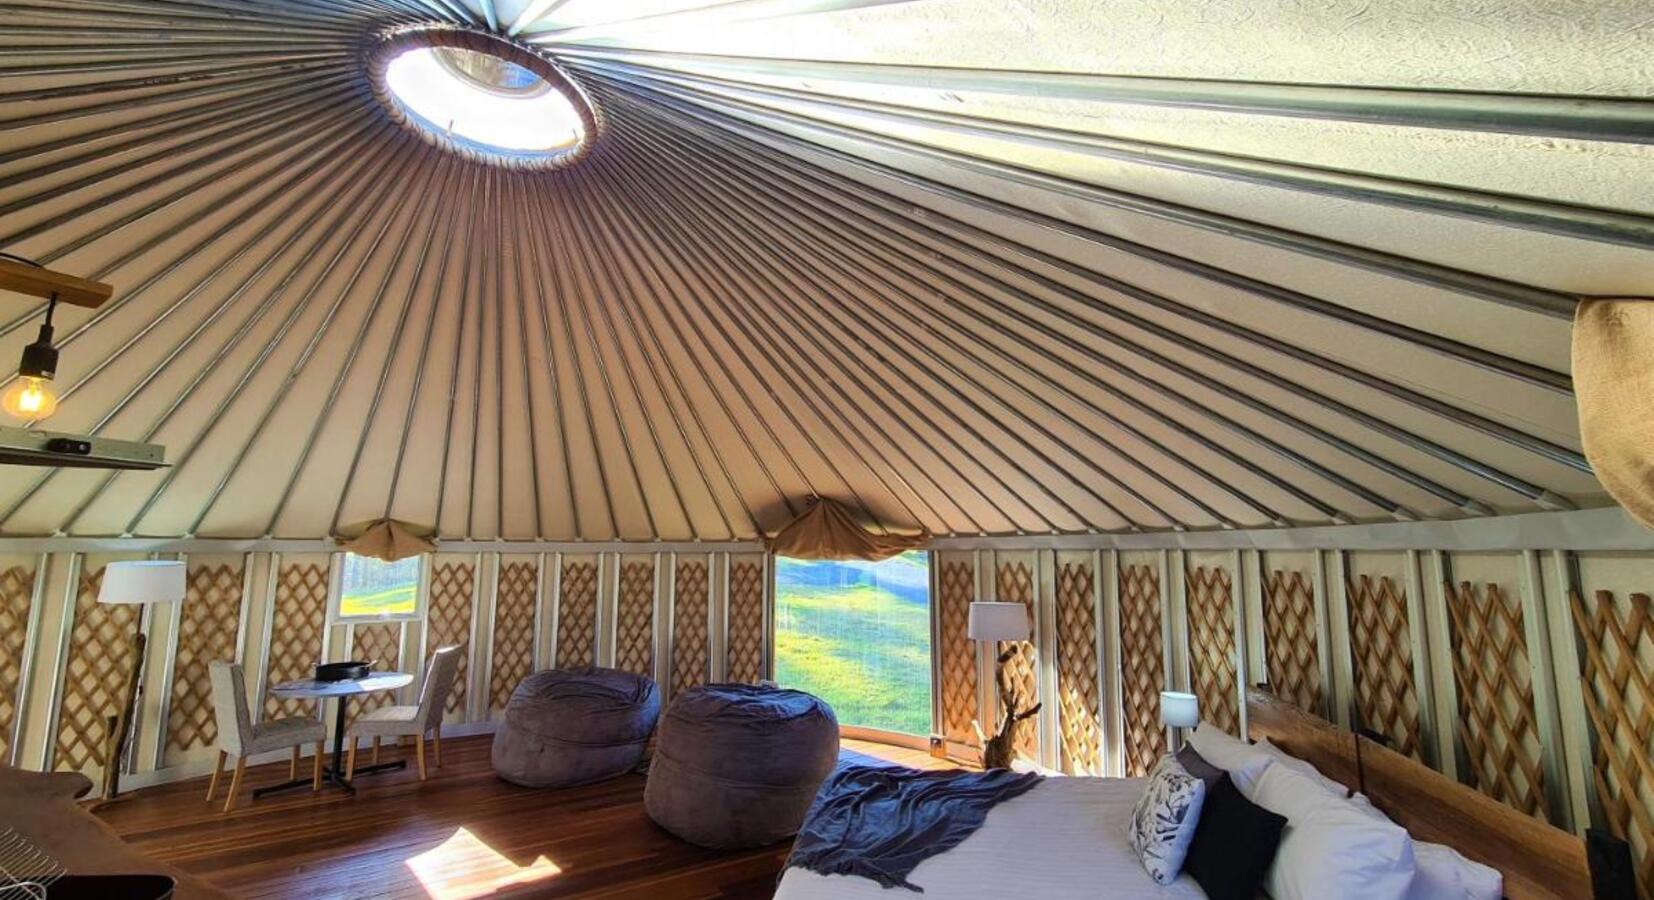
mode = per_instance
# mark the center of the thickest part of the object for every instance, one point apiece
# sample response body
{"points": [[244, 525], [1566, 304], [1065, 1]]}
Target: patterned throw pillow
{"points": [[1164, 819]]}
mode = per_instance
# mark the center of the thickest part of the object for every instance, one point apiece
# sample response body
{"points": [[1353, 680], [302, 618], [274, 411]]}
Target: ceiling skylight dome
{"points": [[483, 96]]}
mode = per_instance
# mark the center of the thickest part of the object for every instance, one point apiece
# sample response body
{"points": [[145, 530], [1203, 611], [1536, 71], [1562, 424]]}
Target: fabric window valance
{"points": [[828, 530]]}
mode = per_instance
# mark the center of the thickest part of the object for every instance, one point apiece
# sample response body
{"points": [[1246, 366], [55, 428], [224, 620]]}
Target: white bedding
{"points": [[1063, 840]]}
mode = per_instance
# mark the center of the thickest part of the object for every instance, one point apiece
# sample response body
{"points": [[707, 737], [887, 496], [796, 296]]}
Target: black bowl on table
{"points": [[343, 671]]}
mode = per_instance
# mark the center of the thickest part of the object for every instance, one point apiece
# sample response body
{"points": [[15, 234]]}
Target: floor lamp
{"points": [[134, 582], [1001, 622]]}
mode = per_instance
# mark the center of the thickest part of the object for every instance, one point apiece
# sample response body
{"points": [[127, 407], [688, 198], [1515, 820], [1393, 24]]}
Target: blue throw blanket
{"points": [[881, 822]]}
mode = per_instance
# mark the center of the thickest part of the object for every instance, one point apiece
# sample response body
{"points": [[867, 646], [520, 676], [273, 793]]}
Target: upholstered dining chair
{"points": [[240, 737], [410, 721]]}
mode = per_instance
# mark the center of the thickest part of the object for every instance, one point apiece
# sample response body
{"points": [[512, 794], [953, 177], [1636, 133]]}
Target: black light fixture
{"points": [[31, 397]]}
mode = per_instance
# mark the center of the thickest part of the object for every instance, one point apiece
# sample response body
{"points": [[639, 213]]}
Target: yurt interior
{"points": [[827, 449]]}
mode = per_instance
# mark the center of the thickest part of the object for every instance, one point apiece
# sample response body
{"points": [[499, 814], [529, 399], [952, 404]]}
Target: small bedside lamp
{"points": [[1179, 711], [134, 581], [1001, 622]]}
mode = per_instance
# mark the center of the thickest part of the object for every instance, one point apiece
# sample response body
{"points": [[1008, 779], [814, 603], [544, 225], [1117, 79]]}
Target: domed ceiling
{"points": [[978, 266]]}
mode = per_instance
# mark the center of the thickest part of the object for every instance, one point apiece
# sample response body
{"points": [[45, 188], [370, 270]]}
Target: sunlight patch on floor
{"points": [[463, 867]]}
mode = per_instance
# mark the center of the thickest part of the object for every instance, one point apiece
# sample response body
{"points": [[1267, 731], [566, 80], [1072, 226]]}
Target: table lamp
{"points": [[1001, 622], [135, 581], [1179, 711]]}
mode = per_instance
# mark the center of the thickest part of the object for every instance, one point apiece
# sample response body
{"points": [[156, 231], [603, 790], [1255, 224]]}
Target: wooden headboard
{"points": [[1539, 862]]}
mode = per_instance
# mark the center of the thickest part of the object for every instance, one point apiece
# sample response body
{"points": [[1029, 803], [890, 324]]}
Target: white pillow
{"points": [[1163, 822], [1445, 875], [1331, 848], [1302, 767], [1244, 762]]}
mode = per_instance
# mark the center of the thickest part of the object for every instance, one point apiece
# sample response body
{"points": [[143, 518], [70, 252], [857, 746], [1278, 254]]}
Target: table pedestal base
{"points": [[335, 777], [334, 774]]}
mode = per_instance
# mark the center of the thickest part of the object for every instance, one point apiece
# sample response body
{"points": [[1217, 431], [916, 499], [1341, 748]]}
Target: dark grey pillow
{"points": [[1234, 846], [1197, 766]]}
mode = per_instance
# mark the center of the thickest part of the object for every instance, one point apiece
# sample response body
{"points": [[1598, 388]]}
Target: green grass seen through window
{"points": [[373, 587], [857, 634]]}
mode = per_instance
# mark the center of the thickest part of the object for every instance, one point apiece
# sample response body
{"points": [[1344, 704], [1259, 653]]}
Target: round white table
{"points": [[339, 692]]}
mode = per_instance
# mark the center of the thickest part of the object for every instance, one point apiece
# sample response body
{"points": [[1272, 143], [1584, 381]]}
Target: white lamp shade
{"points": [[143, 581], [998, 622], [1179, 710]]}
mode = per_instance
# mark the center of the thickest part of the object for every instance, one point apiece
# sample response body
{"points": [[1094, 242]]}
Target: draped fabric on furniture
{"points": [[1613, 371], [829, 530]]}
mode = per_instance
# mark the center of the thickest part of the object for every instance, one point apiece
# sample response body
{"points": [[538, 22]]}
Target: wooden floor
{"points": [[463, 833]]}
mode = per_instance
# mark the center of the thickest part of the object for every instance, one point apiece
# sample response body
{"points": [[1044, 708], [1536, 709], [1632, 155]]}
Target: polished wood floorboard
{"points": [[462, 834]]}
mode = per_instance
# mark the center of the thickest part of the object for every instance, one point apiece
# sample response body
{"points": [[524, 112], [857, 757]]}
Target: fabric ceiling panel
{"points": [[973, 268]]}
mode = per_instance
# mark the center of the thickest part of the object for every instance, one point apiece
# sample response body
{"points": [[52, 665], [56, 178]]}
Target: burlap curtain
{"points": [[828, 530], [1614, 386], [386, 539]]}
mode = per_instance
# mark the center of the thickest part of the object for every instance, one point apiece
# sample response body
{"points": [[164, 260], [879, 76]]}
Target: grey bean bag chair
{"points": [[574, 726], [737, 765]]}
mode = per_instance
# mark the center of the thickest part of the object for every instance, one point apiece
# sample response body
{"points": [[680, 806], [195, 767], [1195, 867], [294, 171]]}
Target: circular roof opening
{"points": [[483, 96]]}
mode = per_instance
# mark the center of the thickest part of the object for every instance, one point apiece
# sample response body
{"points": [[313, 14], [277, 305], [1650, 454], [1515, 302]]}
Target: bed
{"points": [[1066, 837], [1059, 841]]}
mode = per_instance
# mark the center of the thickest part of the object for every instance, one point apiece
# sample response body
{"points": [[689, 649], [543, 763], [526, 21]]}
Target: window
{"points": [[857, 634], [375, 589]]}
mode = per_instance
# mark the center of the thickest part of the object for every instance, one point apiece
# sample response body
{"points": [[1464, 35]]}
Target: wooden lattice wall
{"points": [[273, 610], [1142, 667], [1618, 683], [16, 597], [635, 618], [577, 615], [689, 626], [94, 675], [512, 654], [298, 615], [1497, 722], [448, 622], [1381, 647], [746, 622], [379, 643], [1211, 599], [1077, 667], [957, 651], [1014, 583], [1291, 640], [208, 622]]}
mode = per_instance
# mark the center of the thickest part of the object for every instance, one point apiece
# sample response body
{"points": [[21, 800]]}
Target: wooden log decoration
{"points": [[117, 726], [999, 750]]}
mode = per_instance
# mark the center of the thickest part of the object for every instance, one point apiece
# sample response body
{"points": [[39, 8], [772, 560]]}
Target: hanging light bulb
{"points": [[31, 397]]}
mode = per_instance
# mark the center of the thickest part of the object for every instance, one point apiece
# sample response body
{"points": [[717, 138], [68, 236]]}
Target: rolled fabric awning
{"points": [[828, 530], [1613, 370], [386, 539]]}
